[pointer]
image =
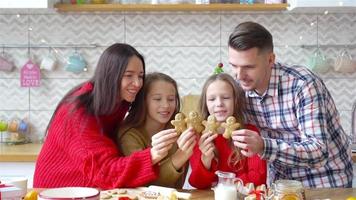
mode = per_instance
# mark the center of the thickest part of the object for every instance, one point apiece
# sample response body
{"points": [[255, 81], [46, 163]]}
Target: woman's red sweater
{"points": [[78, 152]]}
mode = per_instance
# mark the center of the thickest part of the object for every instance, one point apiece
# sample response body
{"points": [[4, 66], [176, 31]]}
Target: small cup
{"points": [[23, 127], [318, 62], [5, 64], [344, 62], [48, 62], [3, 125], [76, 63], [13, 125]]}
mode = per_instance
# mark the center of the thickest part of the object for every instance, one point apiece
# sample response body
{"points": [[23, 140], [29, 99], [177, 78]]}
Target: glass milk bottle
{"points": [[226, 188]]}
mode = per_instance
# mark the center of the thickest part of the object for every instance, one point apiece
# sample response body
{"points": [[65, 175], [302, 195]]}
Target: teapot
{"points": [[226, 189]]}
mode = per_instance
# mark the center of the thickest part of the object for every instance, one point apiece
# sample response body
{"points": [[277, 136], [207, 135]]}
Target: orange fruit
{"points": [[290, 197], [31, 195]]}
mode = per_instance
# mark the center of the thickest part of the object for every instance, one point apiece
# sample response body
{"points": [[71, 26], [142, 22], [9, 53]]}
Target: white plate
{"points": [[66, 193]]}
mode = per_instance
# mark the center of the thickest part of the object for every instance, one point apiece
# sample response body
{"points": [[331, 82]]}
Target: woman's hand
{"points": [[207, 148], [162, 142]]}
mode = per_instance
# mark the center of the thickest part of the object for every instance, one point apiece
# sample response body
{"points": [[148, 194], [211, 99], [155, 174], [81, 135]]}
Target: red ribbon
{"points": [[124, 198], [259, 194]]}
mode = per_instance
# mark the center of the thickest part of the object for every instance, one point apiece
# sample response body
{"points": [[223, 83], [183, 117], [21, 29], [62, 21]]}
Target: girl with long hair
{"points": [[222, 97], [151, 119]]}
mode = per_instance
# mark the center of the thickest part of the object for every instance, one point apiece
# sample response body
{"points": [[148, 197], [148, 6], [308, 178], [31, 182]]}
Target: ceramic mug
{"points": [[5, 64], [23, 127], [318, 62], [3, 125], [344, 62], [48, 62], [13, 125], [75, 63]]}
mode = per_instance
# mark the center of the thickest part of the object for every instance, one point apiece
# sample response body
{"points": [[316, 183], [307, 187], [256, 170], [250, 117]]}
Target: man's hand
{"points": [[250, 142]]}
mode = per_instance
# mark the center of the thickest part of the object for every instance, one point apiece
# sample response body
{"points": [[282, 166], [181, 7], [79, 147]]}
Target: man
{"points": [[301, 136]]}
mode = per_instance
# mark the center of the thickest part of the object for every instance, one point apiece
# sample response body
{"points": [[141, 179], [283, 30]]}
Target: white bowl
{"points": [[67, 193], [17, 181]]}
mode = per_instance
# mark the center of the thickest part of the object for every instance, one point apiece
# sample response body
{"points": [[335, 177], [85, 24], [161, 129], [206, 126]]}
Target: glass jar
{"points": [[287, 189]]}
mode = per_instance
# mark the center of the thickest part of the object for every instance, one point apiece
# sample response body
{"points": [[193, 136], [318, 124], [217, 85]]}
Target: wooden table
{"points": [[311, 194]]}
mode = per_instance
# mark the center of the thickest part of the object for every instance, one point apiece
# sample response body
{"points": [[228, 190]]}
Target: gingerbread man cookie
{"points": [[230, 126], [211, 125], [194, 121], [179, 123]]}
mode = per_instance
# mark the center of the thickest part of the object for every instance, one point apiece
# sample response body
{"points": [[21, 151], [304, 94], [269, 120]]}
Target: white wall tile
{"points": [[173, 30], [182, 62], [77, 29], [185, 45], [13, 97], [46, 97]]}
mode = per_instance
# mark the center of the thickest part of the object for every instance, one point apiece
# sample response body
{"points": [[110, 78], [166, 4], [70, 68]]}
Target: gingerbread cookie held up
{"points": [[194, 120], [211, 124], [179, 123], [230, 125]]}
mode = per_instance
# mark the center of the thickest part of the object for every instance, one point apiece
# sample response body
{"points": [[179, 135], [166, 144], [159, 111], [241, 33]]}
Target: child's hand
{"points": [[162, 142], [187, 141], [207, 148]]}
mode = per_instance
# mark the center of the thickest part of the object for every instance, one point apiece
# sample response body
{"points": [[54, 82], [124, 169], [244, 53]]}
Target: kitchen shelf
{"points": [[168, 7]]}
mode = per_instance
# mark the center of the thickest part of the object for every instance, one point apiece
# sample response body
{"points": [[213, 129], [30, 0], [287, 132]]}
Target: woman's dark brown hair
{"points": [[106, 81], [235, 158], [138, 112]]}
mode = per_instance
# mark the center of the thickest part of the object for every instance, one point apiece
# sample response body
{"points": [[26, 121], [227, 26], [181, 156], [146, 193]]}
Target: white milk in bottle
{"points": [[226, 188]]}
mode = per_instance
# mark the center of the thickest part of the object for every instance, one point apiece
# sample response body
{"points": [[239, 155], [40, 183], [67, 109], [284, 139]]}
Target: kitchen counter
{"points": [[19, 153], [29, 152]]}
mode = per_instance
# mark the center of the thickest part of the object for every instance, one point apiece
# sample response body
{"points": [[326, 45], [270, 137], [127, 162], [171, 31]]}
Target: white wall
{"points": [[186, 46]]}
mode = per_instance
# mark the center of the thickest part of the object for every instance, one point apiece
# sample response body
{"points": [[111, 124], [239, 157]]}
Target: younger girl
{"points": [[150, 119], [222, 97]]}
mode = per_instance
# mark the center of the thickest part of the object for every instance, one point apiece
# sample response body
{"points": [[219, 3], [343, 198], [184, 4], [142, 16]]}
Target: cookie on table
{"points": [[211, 125], [179, 123], [150, 195], [230, 125]]}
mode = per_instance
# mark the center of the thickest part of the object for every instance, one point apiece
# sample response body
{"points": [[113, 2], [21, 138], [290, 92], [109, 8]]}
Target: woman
{"points": [[80, 148]]}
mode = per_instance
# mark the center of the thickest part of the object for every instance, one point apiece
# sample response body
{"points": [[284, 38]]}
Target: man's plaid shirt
{"points": [[301, 128]]}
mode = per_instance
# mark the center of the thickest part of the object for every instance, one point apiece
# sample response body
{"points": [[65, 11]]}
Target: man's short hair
{"points": [[248, 35]]}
